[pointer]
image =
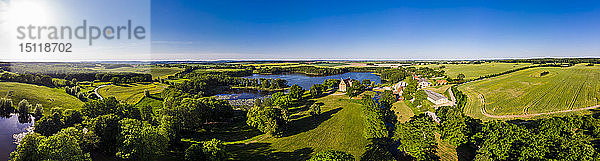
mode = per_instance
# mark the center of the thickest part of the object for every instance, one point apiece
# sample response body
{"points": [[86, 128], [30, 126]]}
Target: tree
{"points": [[282, 100], [417, 138], [115, 80], [388, 98], [107, 128], [28, 148], [332, 155], [50, 124], [268, 120], [24, 107], [62, 146], [214, 150], [6, 106], [97, 108], [461, 76], [194, 153], [317, 90], [420, 96], [140, 141], [377, 150], [315, 109], [366, 82], [296, 91]]}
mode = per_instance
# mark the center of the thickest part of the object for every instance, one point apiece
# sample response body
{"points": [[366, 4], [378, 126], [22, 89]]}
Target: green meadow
{"points": [[48, 97], [472, 71], [130, 93], [530, 92]]}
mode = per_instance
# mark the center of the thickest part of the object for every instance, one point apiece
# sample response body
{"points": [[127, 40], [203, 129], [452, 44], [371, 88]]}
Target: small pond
{"points": [[13, 128]]}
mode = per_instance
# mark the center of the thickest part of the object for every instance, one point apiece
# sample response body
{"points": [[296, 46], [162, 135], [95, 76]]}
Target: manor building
{"points": [[344, 84]]}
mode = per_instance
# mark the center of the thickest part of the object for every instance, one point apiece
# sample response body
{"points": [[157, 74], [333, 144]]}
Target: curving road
{"points": [[96, 91]]}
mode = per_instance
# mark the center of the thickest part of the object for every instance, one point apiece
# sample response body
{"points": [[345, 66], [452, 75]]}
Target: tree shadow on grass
{"points": [[264, 151], [308, 123]]}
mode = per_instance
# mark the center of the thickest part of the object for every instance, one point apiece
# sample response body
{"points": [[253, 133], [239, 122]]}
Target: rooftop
{"points": [[435, 96]]}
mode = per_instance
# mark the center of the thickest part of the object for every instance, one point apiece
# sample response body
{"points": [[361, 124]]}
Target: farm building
{"points": [[423, 83], [344, 84], [436, 98], [398, 87], [441, 82]]}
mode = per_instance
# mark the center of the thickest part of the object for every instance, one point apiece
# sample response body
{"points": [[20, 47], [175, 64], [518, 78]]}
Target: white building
{"points": [[436, 98], [423, 83]]}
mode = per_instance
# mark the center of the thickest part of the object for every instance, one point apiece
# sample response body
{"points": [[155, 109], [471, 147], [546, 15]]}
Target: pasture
{"points": [[339, 127], [130, 93], [48, 97], [472, 71], [528, 92]]}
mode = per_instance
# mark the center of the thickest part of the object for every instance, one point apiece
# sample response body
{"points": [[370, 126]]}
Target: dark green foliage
{"points": [[141, 141], [558, 138], [376, 122], [194, 153], [461, 76], [366, 82], [315, 109], [6, 106], [332, 155], [214, 150], [268, 120], [107, 128], [377, 150], [96, 108], [456, 128], [50, 124], [331, 83], [281, 99], [64, 145], [388, 98], [416, 137], [317, 90], [420, 96], [296, 91]]}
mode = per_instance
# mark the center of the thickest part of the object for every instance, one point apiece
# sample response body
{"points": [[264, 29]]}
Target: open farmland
{"points": [[48, 97], [528, 94], [130, 93], [472, 71]]}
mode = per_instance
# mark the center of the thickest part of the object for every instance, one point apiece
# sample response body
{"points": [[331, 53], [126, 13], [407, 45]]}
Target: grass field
{"points": [[339, 127], [526, 92], [130, 93], [48, 97], [476, 70], [402, 111]]}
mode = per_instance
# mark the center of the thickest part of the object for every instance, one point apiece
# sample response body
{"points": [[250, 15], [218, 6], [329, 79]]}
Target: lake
{"points": [[306, 82], [238, 97], [10, 128]]}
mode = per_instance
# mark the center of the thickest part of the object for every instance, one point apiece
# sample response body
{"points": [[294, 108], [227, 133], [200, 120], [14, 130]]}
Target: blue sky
{"points": [[197, 29]]}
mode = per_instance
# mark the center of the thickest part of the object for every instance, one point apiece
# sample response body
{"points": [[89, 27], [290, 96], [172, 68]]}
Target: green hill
{"points": [[48, 97]]}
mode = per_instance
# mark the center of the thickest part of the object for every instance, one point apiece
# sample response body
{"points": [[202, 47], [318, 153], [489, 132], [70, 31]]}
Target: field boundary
{"points": [[482, 98]]}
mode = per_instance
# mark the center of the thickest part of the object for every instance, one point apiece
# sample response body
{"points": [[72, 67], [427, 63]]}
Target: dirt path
{"points": [[96, 91], [529, 115], [452, 98]]}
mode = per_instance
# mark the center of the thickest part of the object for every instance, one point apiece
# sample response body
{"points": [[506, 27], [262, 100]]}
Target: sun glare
{"points": [[26, 12]]}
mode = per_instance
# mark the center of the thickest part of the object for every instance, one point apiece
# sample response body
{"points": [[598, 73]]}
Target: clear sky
{"points": [[410, 29]]}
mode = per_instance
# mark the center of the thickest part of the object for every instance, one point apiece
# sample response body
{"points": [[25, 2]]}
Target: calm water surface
{"points": [[303, 81], [9, 127], [307, 81]]}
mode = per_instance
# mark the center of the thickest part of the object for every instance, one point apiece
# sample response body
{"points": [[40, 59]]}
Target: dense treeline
{"points": [[208, 85], [379, 125], [60, 80]]}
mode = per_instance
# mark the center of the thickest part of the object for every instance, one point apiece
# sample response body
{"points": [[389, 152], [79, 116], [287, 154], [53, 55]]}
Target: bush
{"points": [[332, 155]]}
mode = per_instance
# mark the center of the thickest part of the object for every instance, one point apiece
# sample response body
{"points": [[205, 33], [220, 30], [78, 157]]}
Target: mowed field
{"points": [[472, 71], [527, 92], [48, 97], [339, 127], [130, 93]]}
